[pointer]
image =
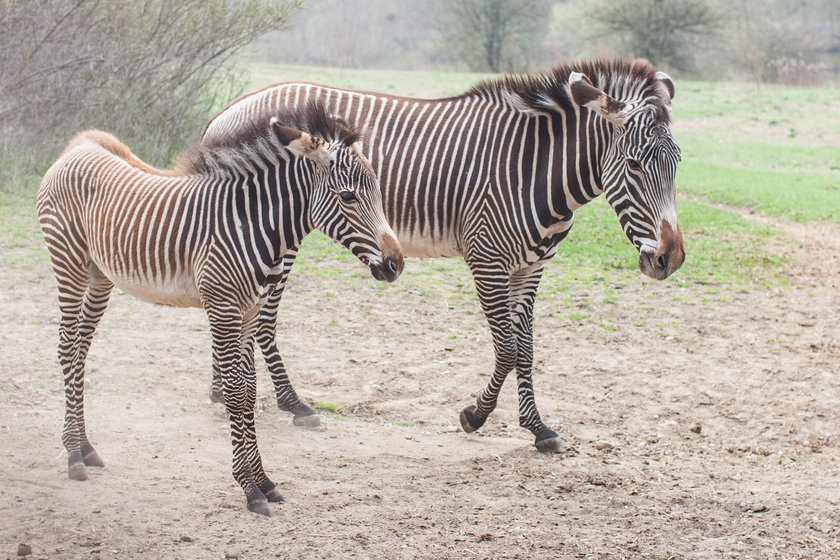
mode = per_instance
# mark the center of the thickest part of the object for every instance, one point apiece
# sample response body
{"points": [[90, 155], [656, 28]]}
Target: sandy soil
{"points": [[722, 409]]}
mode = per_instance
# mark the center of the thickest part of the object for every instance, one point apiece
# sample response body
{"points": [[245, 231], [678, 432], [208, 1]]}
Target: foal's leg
{"points": [[226, 323], [287, 398], [70, 297], [93, 307], [523, 291], [254, 459], [493, 287]]}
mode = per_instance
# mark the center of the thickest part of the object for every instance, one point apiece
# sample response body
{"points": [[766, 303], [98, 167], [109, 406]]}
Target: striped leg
{"points": [[229, 330], [93, 307], [287, 397], [523, 291], [493, 287], [70, 298], [267, 487]]}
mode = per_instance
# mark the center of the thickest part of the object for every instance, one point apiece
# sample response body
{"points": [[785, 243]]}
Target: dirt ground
{"points": [[723, 412]]}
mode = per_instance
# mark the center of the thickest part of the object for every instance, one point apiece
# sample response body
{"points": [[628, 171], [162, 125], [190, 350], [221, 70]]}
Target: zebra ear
{"points": [[587, 95], [666, 81], [299, 143]]}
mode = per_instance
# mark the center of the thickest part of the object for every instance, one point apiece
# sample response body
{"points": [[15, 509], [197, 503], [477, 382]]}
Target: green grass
{"points": [[773, 149], [328, 406]]}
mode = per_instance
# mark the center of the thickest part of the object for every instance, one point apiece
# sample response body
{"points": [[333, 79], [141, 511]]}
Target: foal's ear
{"points": [[665, 80], [299, 143], [587, 95]]}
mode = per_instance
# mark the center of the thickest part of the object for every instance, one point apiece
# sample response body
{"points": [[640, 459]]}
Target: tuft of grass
{"points": [[404, 423], [328, 406]]}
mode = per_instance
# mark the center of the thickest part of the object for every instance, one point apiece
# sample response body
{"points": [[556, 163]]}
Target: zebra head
{"points": [[639, 169], [346, 203]]}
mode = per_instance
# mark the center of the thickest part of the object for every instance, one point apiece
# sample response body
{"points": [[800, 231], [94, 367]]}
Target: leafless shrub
{"points": [[148, 71], [494, 35]]}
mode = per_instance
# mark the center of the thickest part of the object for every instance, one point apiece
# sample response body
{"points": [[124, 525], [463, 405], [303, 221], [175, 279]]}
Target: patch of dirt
{"points": [[722, 410]]}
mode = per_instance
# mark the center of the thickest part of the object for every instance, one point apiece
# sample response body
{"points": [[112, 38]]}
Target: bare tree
{"points": [[149, 70], [658, 30], [494, 35]]}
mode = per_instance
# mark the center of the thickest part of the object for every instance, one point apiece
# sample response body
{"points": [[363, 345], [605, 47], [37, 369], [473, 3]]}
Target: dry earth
{"points": [[722, 407]]}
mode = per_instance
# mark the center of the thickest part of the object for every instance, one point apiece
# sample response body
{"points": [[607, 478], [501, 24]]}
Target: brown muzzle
{"points": [[668, 256]]}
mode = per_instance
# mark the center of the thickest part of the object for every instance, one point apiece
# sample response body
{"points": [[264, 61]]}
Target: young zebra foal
{"points": [[210, 233]]}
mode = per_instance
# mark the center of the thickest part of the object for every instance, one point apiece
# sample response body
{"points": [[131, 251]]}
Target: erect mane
{"points": [[547, 91], [255, 137]]}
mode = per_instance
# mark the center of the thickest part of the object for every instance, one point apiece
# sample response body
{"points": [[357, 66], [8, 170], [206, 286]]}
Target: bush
{"points": [[148, 71]]}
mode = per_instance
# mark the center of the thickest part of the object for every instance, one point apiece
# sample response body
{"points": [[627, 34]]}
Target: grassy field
{"points": [[772, 150]]}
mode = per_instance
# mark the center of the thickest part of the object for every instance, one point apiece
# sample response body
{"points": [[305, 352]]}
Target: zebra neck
{"points": [[575, 148], [271, 210]]}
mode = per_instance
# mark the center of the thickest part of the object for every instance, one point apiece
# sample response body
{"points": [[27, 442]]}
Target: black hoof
{"points": [[217, 397], [305, 415], [470, 422], [272, 494], [90, 457], [75, 467], [275, 496], [260, 507], [549, 442]]}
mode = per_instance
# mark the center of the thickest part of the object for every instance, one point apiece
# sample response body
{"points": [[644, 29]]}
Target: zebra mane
{"points": [[255, 138], [548, 91]]}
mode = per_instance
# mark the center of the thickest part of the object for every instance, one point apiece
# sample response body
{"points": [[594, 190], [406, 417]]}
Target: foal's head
{"points": [[345, 202]]}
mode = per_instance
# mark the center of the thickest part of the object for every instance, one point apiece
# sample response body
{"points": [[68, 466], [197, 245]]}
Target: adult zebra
{"points": [[211, 233], [494, 175]]}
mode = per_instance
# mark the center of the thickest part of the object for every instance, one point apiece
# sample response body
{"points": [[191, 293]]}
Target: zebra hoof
{"points": [[470, 422], [549, 442], [260, 506], [217, 397], [305, 415], [307, 421], [75, 467], [275, 496], [91, 457]]}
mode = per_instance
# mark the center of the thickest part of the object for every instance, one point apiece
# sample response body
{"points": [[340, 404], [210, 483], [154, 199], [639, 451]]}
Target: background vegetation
{"points": [[153, 72]]}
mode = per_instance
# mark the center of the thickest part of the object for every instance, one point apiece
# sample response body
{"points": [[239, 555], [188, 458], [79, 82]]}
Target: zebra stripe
{"points": [[494, 175], [211, 233]]}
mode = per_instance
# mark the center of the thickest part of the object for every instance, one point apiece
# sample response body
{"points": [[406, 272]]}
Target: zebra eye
{"points": [[348, 196], [633, 164]]}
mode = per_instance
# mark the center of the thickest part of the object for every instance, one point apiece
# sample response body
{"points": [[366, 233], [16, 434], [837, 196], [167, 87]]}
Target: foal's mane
{"points": [[255, 136], [546, 91]]}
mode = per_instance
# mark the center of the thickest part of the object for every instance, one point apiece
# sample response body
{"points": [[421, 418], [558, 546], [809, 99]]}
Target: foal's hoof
{"points": [[470, 422], [549, 442], [90, 457], [77, 472], [217, 397], [76, 467], [307, 421], [260, 506], [275, 496]]}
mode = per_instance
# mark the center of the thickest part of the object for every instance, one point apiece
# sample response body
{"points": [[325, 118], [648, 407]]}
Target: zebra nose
{"points": [[391, 264], [662, 262]]}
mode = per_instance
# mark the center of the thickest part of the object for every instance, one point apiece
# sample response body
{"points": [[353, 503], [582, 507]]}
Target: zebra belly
{"points": [[178, 291], [427, 247]]}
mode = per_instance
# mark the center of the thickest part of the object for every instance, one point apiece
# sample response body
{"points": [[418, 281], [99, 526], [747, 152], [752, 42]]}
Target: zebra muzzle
{"points": [[389, 269]]}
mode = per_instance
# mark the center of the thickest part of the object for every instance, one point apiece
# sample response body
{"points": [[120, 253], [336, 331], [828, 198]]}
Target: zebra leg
{"points": [[93, 307], [70, 298], [287, 397], [239, 386], [523, 292], [267, 487], [493, 287]]}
